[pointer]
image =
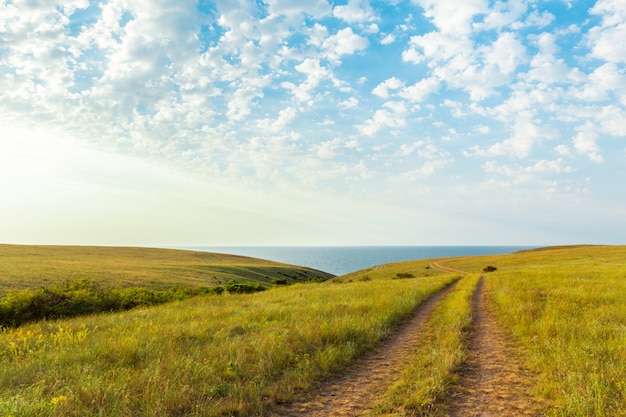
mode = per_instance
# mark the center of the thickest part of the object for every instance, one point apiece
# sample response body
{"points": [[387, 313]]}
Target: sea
{"points": [[341, 260]]}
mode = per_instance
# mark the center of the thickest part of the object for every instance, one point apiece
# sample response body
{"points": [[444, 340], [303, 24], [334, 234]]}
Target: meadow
{"points": [[206, 356], [241, 354], [28, 266], [566, 310]]}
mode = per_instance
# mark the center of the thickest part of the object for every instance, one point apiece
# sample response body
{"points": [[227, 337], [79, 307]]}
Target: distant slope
{"points": [[28, 266]]}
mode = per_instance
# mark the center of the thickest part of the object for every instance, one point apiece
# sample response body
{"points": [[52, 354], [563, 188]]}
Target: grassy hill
{"points": [[241, 354], [26, 266]]}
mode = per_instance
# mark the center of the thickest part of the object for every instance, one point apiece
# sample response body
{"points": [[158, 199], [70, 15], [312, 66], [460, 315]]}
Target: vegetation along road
{"points": [[533, 333]]}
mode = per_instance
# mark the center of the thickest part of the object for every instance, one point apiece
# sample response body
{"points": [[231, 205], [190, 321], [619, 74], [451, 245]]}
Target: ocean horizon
{"points": [[341, 260]]}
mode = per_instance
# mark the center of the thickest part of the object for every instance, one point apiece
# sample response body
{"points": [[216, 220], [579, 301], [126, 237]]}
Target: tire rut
{"points": [[491, 382], [357, 391]]}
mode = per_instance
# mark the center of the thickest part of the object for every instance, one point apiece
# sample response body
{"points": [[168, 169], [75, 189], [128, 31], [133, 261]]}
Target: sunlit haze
{"points": [[278, 122]]}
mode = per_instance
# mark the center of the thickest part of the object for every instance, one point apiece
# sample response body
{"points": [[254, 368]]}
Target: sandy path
{"points": [[358, 391], [491, 381]]}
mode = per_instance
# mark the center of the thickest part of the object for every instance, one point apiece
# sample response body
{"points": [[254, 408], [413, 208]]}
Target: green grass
{"points": [[431, 367], [26, 266], [565, 308], [207, 356]]}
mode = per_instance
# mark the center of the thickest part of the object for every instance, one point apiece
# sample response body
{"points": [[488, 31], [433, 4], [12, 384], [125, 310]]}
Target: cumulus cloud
{"points": [[393, 114], [314, 72], [252, 90], [453, 16], [612, 120], [605, 40], [602, 82], [525, 134], [314, 8], [356, 11], [585, 142], [382, 89], [420, 90], [344, 42], [350, 103], [388, 39]]}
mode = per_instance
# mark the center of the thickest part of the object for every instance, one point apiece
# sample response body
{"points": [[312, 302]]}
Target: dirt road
{"points": [[491, 383], [358, 391]]}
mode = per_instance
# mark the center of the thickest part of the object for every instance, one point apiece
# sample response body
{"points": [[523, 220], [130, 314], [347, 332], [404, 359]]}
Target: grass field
{"points": [[566, 309], [207, 356], [34, 266], [223, 355]]}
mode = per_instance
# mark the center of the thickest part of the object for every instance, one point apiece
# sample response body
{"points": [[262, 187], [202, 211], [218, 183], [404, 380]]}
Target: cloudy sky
{"points": [[180, 122]]}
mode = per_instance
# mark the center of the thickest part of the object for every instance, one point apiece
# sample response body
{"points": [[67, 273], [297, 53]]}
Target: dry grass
{"points": [[34, 266], [208, 356], [565, 308]]}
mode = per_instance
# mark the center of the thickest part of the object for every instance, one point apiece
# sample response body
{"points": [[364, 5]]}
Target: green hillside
{"points": [[563, 310], [27, 266]]}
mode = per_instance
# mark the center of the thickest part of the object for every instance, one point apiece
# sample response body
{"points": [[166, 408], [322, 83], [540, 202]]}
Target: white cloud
{"points": [[453, 16], [393, 114], [350, 103], [602, 81], [372, 28], [425, 170], [328, 149], [525, 134], [345, 42], [285, 116], [536, 19], [612, 120], [251, 93], [356, 11], [547, 68], [482, 129], [503, 14], [291, 8], [436, 46], [418, 91], [585, 142], [457, 62], [528, 174], [606, 40], [382, 89], [388, 39], [314, 72]]}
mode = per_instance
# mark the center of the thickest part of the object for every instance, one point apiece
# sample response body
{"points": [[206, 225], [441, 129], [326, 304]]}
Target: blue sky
{"points": [[177, 122]]}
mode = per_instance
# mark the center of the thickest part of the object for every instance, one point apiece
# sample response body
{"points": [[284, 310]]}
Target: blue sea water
{"points": [[340, 260]]}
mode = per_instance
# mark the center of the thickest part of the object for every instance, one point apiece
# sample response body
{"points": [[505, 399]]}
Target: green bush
{"points": [[236, 287], [83, 296]]}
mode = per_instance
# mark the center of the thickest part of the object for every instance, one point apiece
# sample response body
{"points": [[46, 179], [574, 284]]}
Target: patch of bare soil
{"points": [[357, 391], [491, 381]]}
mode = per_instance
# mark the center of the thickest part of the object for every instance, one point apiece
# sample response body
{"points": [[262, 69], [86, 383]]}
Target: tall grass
{"points": [[208, 356], [573, 326], [566, 309], [431, 368]]}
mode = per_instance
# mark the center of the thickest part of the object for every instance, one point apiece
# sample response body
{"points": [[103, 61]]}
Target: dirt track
{"points": [[357, 391], [491, 382]]}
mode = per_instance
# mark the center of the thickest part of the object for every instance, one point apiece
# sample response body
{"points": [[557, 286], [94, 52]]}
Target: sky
{"points": [[284, 122]]}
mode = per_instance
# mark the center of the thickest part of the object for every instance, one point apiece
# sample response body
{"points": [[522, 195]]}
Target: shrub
{"points": [[401, 275], [236, 287], [489, 268], [83, 296]]}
